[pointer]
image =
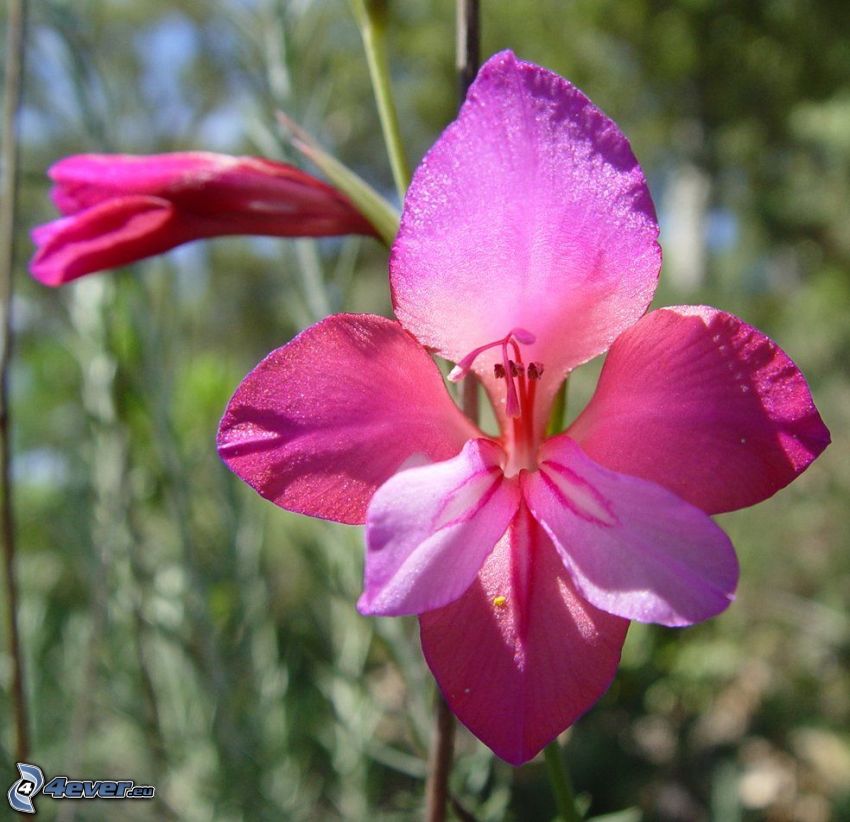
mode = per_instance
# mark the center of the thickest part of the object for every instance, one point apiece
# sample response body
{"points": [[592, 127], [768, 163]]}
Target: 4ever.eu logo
{"points": [[31, 783]]}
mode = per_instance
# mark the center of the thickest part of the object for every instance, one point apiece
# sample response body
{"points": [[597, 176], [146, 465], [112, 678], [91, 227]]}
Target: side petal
{"points": [[221, 194], [114, 233], [520, 656], [698, 401], [323, 421], [429, 530], [530, 211], [633, 548]]}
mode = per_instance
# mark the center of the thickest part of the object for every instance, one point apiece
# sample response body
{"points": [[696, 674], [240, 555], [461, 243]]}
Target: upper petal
{"points": [[113, 233], [521, 656], [632, 547], [429, 530], [530, 211], [320, 423], [698, 401]]}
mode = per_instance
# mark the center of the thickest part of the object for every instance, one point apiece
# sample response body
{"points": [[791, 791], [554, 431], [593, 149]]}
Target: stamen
{"points": [[534, 370], [509, 370], [464, 366]]}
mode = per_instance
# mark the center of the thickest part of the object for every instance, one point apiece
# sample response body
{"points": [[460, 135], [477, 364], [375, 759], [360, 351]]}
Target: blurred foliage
{"points": [[181, 631]]}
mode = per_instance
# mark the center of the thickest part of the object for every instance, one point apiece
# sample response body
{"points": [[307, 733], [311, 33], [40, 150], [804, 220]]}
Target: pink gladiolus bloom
{"points": [[120, 208], [528, 245]]}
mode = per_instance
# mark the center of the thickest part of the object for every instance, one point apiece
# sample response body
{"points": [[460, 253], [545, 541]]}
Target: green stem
{"points": [[559, 410], [12, 89], [371, 17], [561, 785]]}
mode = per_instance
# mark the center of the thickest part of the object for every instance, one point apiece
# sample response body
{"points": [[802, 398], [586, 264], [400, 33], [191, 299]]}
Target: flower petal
{"points": [[108, 235], [529, 211], [520, 656], [222, 194], [323, 421], [429, 530], [698, 401], [633, 548]]}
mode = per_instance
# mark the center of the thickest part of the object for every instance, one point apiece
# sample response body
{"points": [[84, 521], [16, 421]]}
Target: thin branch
{"points": [[562, 787], [468, 43], [12, 84], [442, 750], [440, 762]]}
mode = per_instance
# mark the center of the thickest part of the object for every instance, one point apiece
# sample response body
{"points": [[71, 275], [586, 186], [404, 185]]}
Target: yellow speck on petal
{"points": [[500, 601]]}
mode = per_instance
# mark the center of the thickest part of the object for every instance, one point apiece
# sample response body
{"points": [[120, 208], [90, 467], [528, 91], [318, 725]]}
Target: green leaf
{"points": [[371, 205]]}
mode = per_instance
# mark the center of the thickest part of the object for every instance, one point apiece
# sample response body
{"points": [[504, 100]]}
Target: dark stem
{"points": [[442, 747], [440, 762], [468, 43], [11, 103], [469, 396]]}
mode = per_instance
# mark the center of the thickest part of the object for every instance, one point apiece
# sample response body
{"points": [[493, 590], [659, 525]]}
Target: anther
{"points": [[499, 370], [535, 370]]}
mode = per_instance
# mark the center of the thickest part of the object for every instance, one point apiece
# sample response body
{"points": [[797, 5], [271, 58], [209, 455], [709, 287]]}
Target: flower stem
{"points": [[371, 16], [468, 42], [560, 781], [440, 762], [11, 103]]}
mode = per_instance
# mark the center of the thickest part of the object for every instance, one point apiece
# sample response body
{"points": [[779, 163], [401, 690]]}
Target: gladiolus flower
{"points": [[120, 208], [528, 245]]}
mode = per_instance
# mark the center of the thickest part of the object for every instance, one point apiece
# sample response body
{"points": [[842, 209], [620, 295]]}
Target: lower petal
{"points": [[633, 548], [520, 656], [429, 530]]}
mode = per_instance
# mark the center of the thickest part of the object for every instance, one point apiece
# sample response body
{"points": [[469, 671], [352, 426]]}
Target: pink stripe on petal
{"points": [[520, 656], [323, 421], [633, 548], [696, 400], [529, 212], [429, 530]]}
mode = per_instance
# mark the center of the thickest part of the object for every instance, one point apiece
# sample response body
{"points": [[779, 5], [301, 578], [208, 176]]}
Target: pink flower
{"points": [[527, 247], [120, 208]]}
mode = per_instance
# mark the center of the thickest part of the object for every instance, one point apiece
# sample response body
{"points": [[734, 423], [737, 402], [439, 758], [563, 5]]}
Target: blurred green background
{"points": [[183, 632]]}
